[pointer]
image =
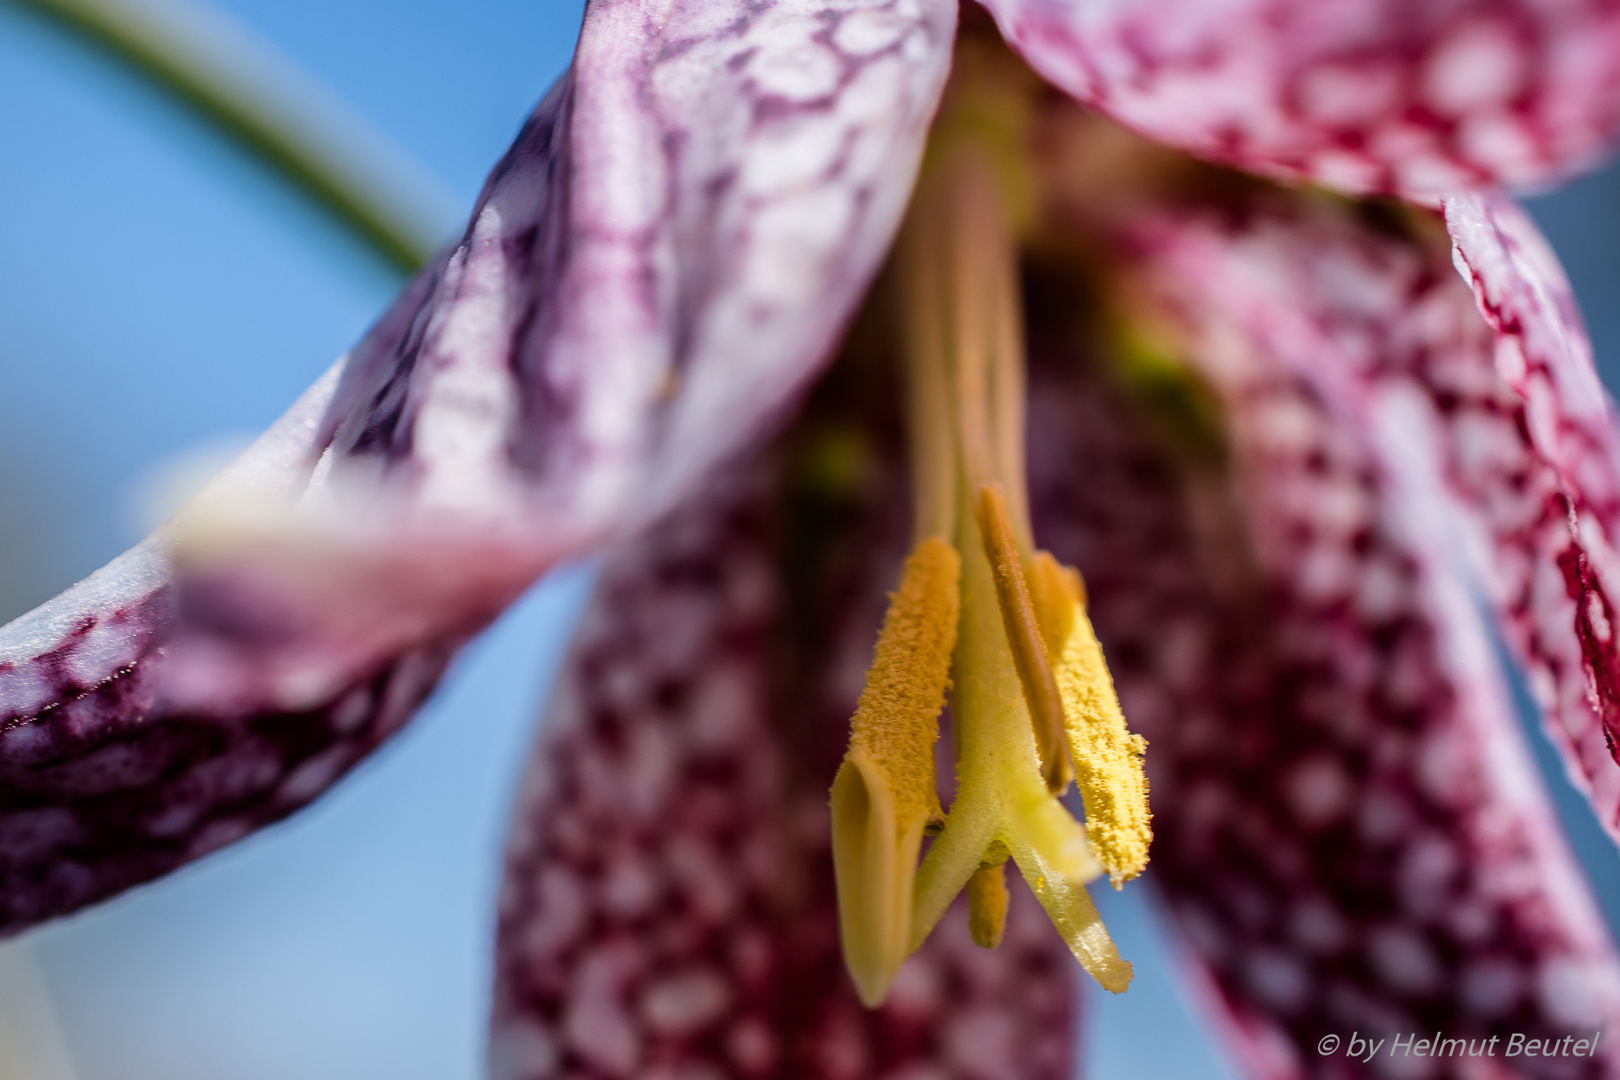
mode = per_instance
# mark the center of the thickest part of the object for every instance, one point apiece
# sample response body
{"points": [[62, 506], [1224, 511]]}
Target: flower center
{"points": [[983, 614]]}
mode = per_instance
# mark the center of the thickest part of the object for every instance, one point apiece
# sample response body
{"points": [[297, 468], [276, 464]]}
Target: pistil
{"points": [[982, 613]]}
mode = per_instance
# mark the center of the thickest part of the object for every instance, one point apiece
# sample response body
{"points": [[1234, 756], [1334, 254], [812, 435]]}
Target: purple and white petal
{"points": [[1557, 552], [668, 908], [117, 764], [1415, 97], [652, 276], [1351, 834], [1507, 413], [653, 273]]}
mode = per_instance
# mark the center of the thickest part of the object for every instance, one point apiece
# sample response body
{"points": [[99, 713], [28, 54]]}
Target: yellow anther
{"points": [[1024, 637], [1107, 757], [1002, 801], [1008, 630], [896, 721], [1054, 589], [987, 900], [883, 797]]}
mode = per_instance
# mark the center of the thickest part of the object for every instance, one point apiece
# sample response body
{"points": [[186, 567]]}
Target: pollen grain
{"points": [[896, 721], [1107, 757]]}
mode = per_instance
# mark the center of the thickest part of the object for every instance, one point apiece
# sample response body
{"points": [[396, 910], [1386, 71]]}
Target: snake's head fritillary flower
{"points": [[1260, 446]]}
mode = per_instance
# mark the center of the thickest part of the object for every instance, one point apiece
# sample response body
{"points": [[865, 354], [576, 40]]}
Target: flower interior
{"points": [[981, 616]]}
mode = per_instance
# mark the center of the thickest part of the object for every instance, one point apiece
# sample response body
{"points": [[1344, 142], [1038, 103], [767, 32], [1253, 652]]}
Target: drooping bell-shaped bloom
{"points": [[1270, 427]]}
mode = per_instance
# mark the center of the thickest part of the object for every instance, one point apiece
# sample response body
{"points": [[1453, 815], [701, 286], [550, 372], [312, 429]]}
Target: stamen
{"points": [[976, 244], [883, 797], [1001, 796], [1107, 757], [1024, 654], [1007, 392], [1024, 636], [988, 898], [1054, 589], [928, 409]]}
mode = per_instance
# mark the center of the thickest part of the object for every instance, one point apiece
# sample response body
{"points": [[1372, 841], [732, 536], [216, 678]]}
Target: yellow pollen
{"points": [[1004, 629], [896, 721], [988, 898], [1054, 589], [1107, 757], [883, 797], [1002, 801]]}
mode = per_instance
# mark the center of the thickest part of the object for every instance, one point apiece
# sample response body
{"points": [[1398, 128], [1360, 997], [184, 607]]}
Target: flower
{"points": [[654, 274]]}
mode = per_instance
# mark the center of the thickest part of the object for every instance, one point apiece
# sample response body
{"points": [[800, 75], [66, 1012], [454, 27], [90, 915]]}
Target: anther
{"points": [[1030, 656], [987, 905], [1107, 757], [1009, 629], [988, 898], [883, 798], [1054, 589]]}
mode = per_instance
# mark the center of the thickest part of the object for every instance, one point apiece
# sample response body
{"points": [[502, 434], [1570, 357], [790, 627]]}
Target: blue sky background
{"points": [[159, 292]]}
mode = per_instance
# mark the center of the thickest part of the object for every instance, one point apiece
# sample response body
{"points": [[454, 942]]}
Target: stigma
{"points": [[981, 618]]}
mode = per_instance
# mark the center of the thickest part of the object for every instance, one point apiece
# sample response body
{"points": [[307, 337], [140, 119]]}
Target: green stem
{"points": [[269, 109]]}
